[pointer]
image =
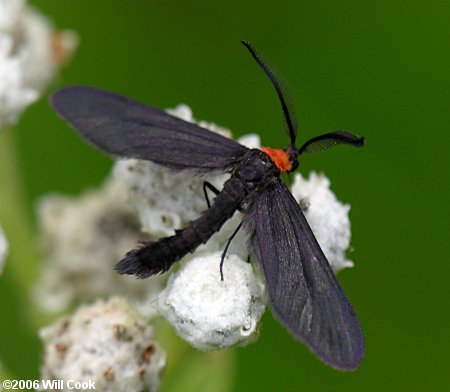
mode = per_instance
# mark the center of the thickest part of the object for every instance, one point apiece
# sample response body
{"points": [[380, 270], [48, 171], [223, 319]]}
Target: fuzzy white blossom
{"points": [[15, 96], [3, 249], [30, 51], [164, 200], [209, 313], [84, 237], [107, 343], [327, 216]]}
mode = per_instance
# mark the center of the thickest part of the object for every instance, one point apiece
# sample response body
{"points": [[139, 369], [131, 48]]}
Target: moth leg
{"points": [[222, 259], [212, 188]]}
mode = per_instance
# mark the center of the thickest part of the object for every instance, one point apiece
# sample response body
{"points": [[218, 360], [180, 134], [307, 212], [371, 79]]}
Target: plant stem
{"points": [[13, 216]]}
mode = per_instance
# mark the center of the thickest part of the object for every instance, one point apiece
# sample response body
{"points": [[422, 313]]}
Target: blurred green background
{"points": [[376, 68]]}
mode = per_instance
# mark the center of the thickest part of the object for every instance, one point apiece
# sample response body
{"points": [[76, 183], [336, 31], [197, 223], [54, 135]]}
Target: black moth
{"points": [[303, 290]]}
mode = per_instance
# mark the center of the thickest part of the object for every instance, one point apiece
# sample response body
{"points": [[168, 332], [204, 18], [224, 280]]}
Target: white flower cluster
{"points": [[30, 51], [164, 200], [106, 343], [84, 237], [3, 249], [209, 313]]}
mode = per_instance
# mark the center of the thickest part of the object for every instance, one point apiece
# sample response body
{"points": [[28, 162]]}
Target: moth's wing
{"points": [[125, 128], [302, 287]]}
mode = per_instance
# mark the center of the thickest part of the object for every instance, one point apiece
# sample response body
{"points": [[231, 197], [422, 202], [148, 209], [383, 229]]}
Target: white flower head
{"points": [[84, 237], [3, 249], [164, 200], [30, 51], [15, 96], [107, 343], [326, 215], [209, 313]]}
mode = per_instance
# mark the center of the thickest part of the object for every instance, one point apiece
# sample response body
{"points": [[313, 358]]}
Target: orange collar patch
{"points": [[279, 157]]}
